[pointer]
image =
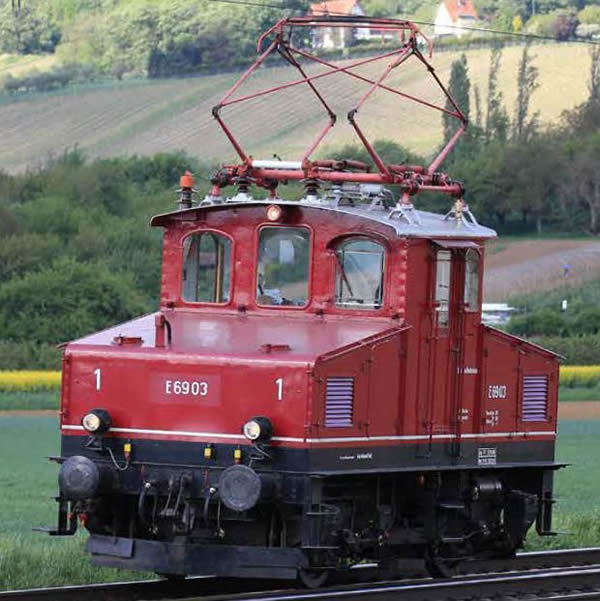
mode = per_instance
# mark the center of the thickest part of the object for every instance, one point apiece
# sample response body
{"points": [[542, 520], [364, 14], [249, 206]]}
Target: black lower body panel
{"points": [[341, 459], [195, 559]]}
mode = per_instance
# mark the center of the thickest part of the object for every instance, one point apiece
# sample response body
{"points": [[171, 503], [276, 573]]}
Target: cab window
{"points": [[283, 266], [471, 292], [359, 277], [442, 287], [206, 268]]}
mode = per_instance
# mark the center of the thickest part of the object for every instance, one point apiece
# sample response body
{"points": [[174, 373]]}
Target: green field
{"points": [[148, 116], [28, 484]]}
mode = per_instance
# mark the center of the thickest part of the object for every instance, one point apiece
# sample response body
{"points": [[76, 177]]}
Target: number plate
{"points": [[187, 389]]}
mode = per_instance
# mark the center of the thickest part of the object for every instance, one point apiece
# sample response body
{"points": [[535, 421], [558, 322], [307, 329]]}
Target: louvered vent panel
{"points": [[535, 398], [339, 402]]}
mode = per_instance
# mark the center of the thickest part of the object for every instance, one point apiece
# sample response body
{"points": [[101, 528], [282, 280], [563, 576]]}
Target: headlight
{"points": [[96, 421], [274, 212], [258, 428]]}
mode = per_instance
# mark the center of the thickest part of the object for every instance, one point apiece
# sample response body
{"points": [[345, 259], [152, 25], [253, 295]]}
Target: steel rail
{"points": [[147, 590], [573, 584], [527, 570]]}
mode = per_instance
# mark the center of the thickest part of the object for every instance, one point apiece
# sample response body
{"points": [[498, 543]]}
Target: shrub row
{"points": [[545, 321], [46, 81], [28, 355], [577, 350]]}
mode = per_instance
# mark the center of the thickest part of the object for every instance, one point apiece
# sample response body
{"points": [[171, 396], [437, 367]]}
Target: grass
{"points": [[28, 483], [577, 511], [27, 487], [143, 117], [582, 393], [29, 401]]}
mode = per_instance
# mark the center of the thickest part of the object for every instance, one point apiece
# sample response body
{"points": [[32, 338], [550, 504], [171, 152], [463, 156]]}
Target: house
{"points": [[452, 15], [329, 38]]}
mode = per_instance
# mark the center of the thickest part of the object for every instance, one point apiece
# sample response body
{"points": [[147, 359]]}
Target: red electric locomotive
{"points": [[317, 388]]}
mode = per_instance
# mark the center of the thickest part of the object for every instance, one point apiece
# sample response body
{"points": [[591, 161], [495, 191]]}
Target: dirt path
{"points": [[535, 265], [579, 410]]}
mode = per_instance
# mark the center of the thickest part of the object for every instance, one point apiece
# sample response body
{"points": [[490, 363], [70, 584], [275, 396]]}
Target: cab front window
{"points": [[283, 266], [206, 268], [360, 270]]}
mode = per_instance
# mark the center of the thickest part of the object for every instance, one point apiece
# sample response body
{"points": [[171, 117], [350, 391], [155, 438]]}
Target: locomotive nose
{"points": [[78, 478]]}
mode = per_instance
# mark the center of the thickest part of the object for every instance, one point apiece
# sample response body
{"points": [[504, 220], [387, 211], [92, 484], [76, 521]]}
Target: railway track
{"points": [[567, 575]]}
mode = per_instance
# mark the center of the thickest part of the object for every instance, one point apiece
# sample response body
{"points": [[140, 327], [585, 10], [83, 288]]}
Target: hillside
{"points": [[145, 117]]}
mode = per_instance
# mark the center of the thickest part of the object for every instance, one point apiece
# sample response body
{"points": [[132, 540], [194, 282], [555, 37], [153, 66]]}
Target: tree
{"points": [[458, 88], [526, 84], [496, 119], [26, 31], [537, 168], [594, 83], [583, 184], [478, 111], [564, 27], [65, 301]]}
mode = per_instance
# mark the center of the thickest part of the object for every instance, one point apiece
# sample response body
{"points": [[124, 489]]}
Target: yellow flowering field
{"points": [[29, 381], [574, 376], [571, 376]]}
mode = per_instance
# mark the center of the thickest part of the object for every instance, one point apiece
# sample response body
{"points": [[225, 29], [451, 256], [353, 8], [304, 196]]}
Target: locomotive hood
{"points": [[218, 372], [259, 337]]}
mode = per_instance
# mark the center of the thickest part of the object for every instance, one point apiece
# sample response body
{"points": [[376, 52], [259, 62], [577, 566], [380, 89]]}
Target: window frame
{"points": [[231, 240], [334, 245], [466, 306], [443, 328], [311, 239]]}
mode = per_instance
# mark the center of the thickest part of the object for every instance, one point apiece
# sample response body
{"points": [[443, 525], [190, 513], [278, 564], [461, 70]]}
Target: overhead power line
{"points": [[517, 34]]}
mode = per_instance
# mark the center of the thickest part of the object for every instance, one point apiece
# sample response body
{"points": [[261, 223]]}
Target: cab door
{"points": [[453, 370]]}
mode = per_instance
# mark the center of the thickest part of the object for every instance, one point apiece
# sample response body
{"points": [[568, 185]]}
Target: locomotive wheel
{"points": [[312, 578]]}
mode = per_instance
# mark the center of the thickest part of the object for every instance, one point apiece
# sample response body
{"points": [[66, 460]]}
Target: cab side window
{"points": [[442, 287], [471, 292], [206, 268], [359, 276]]}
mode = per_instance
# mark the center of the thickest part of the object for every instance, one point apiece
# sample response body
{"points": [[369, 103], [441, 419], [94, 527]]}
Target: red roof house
{"points": [[453, 17]]}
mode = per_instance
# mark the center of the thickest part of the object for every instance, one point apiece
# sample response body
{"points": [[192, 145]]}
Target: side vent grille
{"points": [[535, 398], [339, 402]]}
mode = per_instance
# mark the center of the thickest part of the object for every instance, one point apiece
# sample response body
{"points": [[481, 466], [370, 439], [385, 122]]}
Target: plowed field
{"points": [[150, 116], [534, 265]]}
